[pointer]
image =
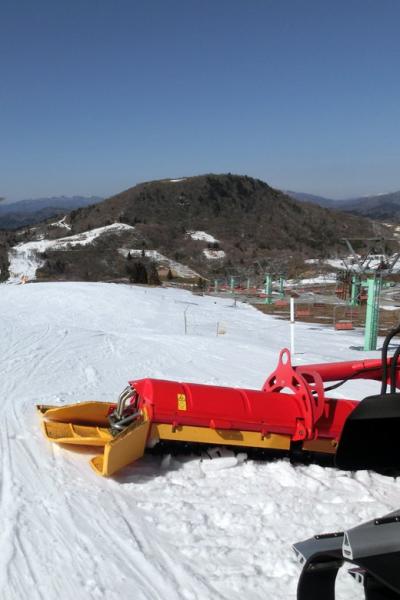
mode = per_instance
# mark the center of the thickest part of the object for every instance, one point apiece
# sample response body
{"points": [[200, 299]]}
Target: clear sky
{"points": [[97, 95]]}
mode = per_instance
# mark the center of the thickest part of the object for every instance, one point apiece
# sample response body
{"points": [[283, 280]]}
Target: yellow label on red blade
{"points": [[181, 402]]}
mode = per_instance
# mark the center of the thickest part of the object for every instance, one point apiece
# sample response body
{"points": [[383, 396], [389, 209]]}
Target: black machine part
{"points": [[321, 558], [385, 349], [373, 546], [372, 588], [370, 436]]}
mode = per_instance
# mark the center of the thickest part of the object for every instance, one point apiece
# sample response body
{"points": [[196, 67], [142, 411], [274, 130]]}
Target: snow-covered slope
{"points": [[179, 529], [25, 260]]}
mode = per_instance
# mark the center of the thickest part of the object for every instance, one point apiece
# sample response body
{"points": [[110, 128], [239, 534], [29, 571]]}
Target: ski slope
{"points": [[166, 528]]}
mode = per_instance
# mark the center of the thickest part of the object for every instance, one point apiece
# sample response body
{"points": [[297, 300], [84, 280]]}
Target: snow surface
{"points": [[61, 223], [165, 528], [24, 259], [326, 278], [202, 236], [213, 254]]}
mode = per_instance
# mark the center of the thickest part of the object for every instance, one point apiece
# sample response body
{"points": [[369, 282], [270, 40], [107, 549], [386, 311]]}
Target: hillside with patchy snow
{"points": [[32, 260], [25, 258], [183, 528], [212, 225]]}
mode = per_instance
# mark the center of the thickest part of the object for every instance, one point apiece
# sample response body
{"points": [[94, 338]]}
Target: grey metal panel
{"points": [[372, 538], [317, 544]]}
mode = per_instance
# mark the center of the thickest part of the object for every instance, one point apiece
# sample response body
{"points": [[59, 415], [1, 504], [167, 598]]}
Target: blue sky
{"points": [[97, 95]]}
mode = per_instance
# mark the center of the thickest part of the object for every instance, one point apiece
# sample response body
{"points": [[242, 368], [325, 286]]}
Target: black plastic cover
{"points": [[370, 437]]}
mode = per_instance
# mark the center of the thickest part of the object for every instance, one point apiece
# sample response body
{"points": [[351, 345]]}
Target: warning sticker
{"points": [[181, 402]]}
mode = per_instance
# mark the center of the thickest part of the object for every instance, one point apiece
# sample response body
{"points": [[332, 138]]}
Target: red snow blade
{"points": [[291, 413]]}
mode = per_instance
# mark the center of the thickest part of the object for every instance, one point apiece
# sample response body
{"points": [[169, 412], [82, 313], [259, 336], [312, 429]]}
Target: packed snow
{"points": [[213, 254], [202, 236], [326, 278], [25, 260], [61, 223], [183, 528]]}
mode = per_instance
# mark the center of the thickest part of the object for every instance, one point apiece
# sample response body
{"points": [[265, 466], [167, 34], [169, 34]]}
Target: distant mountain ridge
{"points": [[28, 212], [320, 200], [382, 207]]}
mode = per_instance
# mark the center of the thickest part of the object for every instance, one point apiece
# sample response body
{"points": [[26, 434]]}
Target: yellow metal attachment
{"points": [[124, 449], [80, 435], [325, 446], [85, 424], [83, 413], [223, 437]]}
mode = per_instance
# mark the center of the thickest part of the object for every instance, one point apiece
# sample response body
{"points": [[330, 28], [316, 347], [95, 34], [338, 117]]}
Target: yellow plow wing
{"points": [[85, 424], [82, 413], [124, 449]]}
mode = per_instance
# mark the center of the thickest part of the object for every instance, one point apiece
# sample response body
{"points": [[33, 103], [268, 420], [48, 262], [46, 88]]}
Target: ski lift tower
{"points": [[268, 288], [374, 275]]}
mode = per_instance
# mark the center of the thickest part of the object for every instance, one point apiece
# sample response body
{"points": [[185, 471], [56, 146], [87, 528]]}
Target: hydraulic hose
{"points": [[393, 366], [385, 347]]}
